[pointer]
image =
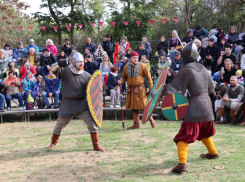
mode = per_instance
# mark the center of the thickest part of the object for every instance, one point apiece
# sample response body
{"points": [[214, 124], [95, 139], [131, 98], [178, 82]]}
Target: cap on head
{"points": [[134, 54], [177, 53], [31, 40], [77, 57], [239, 72], [20, 43]]}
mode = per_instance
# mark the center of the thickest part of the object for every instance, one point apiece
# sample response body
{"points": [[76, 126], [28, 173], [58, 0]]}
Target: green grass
{"points": [[143, 154]]}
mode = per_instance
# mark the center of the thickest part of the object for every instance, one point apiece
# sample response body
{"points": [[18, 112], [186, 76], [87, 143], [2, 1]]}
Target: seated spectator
{"points": [[162, 47], [51, 87], [89, 45], [19, 52], [27, 67], [162, 63], [211, 53], [67, 48], [10, 67], [114, 86], [47, 59], [143, 51], [105, 68], [227, 54], [170, 76], [212, 35], [61, 56], [189, 36], [28, 84], [129, 51], [34, 60], [219, 34], [89, 64], [219, 95], [233, 39], [39, 89], [240, 79], [2, 97], [223, 43], [99, 54], [177, 63], [4, 61], [243, 60], [12, 84], [200, 33], [201, 50], [174, 42], [108, 46], [32, 45], [232, 98], [146, 44], [7, 51], [86, 52], [146, 62], [51, 47], [124, 44]]}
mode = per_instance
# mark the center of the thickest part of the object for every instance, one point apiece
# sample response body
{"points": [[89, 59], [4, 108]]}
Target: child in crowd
{"points": [[239, 77], [114, 86], [39, 89], [105, 68], [129, 51], [162, 62], [61, 56], [170, 76]]}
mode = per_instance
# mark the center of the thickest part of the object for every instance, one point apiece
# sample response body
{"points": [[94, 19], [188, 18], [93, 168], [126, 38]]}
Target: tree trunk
{"points": [[98, 38], [72, 33], [60, 39]]}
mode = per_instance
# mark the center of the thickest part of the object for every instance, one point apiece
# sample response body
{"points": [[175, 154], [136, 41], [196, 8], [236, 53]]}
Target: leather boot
{"points": [[232, 115], [242, 124], [209, 156], [221, 112], [153, 123], [136, 118], [179, 168], [54, 141], [95, 141]]}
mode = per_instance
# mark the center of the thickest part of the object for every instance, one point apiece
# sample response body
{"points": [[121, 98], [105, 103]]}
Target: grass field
{"points": [[144, 154]]}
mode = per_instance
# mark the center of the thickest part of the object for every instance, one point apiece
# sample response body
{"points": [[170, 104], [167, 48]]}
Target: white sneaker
{"points": [[111, 106], [24, 108], [34, 108], [117, 106]]}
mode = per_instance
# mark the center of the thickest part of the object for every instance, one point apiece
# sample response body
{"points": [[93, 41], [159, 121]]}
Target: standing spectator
{"points": [[89, 45], [7, 51], [28, 84], [233, 39], [47, 59], [51, 87], [162, 47], [177, 63], [124, 44], [200, 49], [143, 51], [211, 53], [67, 48], [219, 34], [200, 33], [61, 56], [212, 35], [27, 67], [32, 45], [223, 43], [99, 54], [174, 42], [129, 51], [108, 46], [10, 67], [189, 36], [51, 47], [34, 59], [146, 44], [146, 62], [114, 86], [89, 64], [105, 68], [12, 84], [4, 61], [39, 89], [19, 52]]}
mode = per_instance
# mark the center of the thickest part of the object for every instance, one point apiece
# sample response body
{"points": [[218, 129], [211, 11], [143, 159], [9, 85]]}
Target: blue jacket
{"points": [[35, 47], [112, 81], [203, 33], [28, 85], [52, 85], [19, 53], [91, 67], [91, 47]]}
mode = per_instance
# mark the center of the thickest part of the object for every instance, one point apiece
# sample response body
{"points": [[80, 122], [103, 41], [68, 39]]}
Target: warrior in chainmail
{"points": [[74, 103], [199, 121]]}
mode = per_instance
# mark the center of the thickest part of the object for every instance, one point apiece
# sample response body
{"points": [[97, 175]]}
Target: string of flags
{"points": [[92, 24]]}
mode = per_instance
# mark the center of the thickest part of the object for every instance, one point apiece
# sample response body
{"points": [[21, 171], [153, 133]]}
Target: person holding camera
{"points": [[12, 84], [89, 64], [67, 48], [27, 67], [11, 67]]}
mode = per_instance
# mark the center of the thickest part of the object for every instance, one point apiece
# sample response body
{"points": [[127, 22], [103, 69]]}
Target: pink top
{"points": [[52, 49]]}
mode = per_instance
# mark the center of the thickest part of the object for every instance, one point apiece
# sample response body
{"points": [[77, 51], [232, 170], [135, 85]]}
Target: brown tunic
{"points": [[137, 100]]}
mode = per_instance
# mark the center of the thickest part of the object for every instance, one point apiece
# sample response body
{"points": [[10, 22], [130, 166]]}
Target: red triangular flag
{"points": [[175, 19], [68, 27], [138, 23], [116, 54], [55, 28], [101, 23], [125, 23], [151, 21], [21, 28], [30, 28], [80, 25], [44, 28], [113, 23], [8, 28], [92, 24], [164, 21]]}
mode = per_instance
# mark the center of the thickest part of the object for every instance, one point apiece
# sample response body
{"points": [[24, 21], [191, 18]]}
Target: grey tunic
{"points": [[74, 88], [194, 77]]}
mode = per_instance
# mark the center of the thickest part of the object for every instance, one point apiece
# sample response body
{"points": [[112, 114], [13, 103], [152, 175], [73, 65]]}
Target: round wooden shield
{"points": [[153, 97], [237, 113], [95, 97], [175, 106]]}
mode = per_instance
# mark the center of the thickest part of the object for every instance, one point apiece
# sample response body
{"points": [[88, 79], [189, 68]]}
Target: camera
{"points": [[10, 67], [89, 56], [226, 52]]}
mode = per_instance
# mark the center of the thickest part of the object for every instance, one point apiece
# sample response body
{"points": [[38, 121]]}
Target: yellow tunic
{"points": [[137, 100]]}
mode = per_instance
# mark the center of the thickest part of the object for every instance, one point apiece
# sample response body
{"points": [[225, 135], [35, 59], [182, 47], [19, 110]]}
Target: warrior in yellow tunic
{"points": [[134, 73]]}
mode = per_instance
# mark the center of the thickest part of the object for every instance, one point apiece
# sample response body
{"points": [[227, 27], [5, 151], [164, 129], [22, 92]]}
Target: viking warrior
{"points": [[74, 103], [199, 120], [134, 73]]}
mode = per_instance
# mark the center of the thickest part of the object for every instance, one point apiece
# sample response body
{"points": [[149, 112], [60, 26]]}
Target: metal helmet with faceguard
{"points": [[77, 58], [189, 53]]}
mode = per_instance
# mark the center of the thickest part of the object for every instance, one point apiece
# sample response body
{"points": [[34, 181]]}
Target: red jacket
{"points": [[23, 71]]}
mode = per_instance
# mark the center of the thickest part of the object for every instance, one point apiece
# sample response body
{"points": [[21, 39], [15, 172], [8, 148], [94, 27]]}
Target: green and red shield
{"points": [[175, 106], [95, 97], [153, 97], [238, 113]]}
